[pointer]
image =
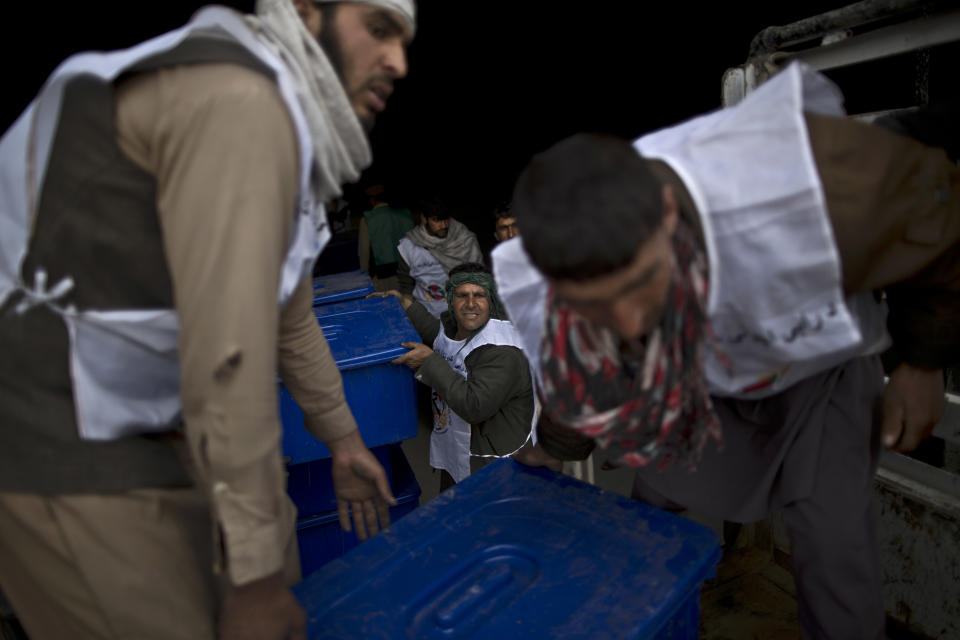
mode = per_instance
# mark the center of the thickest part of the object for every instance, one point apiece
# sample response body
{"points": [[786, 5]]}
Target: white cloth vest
{"points": [[776, 302], [428, 275], [123, 363], [450, 440]]}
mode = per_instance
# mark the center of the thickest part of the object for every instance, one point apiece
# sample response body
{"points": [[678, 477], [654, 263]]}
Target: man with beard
{"points": [[705, 306], [161, 214], [481, 388], [429, 251]]}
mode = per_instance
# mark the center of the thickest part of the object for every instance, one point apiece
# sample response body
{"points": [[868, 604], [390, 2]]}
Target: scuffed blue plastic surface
{"points": [[365, 332], [339, 287], [364, 336], [516, 552]]}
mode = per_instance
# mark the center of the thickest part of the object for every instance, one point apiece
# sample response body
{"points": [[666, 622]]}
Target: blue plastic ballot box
{"points": [[310, 487], [364, 336], [319, 536], [518, 552], [338, 287]]}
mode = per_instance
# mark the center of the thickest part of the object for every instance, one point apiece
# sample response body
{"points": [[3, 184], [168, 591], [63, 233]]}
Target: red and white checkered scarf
{"points": [[658, 410]]}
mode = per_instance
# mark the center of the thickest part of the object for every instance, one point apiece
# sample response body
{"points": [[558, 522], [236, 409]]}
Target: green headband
{"points": [[480, 279]]}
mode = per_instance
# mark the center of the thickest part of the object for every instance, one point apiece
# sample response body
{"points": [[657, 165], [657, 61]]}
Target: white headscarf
{"points": [[341, 148], [459, 246], [404, 7]]}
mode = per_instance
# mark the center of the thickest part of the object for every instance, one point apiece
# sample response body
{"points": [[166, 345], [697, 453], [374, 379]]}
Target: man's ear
{"points": [[310, 15], [670, 210]]}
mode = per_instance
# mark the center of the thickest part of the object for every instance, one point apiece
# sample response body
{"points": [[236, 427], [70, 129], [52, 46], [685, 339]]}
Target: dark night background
{"points": [[489, 84]]}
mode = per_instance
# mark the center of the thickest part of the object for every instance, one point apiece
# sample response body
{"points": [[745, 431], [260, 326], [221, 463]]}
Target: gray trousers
{"points": [[811, 451]]}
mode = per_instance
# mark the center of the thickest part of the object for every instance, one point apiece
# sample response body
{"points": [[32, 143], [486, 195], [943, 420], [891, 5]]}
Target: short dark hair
{"points": [[432, 207], [503, 210], [586, 205]]}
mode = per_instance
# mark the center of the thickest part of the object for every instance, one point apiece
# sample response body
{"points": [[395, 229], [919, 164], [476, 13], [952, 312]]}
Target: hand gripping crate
{"points": [[319, 535]]}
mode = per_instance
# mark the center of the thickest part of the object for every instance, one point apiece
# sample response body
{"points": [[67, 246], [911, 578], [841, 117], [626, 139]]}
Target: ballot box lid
{"points": [[518, 552]]}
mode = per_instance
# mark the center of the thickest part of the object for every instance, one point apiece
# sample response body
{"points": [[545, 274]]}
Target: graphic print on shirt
{"points": [[441, 412], [433, 291]]}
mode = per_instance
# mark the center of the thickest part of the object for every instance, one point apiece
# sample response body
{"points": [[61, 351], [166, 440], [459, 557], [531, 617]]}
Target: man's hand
{"points": [[264, 609], [535, 456], [405, 299], [415, 357], [360, 485], [912, 406]]}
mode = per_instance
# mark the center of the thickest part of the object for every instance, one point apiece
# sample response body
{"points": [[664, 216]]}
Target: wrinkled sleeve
{"points": [[924, 316], [405, 283], [492, 373], [894, 204], [563, 442], [220, 143]]}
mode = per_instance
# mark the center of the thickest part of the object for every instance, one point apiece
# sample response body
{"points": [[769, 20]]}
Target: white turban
{"points": [[403, 7]]}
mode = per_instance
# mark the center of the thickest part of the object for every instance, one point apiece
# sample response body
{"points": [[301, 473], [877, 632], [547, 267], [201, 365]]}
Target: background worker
{"points": [[504, 222], [429, 251], [482, 394], [382, 226]]}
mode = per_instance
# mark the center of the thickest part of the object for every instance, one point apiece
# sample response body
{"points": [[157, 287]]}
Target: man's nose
{"points": [[395, 60], [512, 232]]}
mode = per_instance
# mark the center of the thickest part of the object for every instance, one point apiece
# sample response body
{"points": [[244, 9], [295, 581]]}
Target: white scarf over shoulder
{"points": [[342, 151]]}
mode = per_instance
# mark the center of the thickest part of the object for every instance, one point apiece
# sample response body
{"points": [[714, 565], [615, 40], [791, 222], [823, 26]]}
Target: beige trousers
{"points": [[137, 565]]}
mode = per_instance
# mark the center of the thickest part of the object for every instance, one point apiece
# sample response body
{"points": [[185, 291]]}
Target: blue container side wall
{"points": [[684, 624], [310, 487], [382, 399], [323, 540], [320, 538]]}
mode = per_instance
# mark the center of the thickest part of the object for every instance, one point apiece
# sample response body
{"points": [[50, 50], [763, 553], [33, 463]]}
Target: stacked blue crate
{"points": [[338, 287], [319, 535], [364, 336], [340, 254], [517, 552]]}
